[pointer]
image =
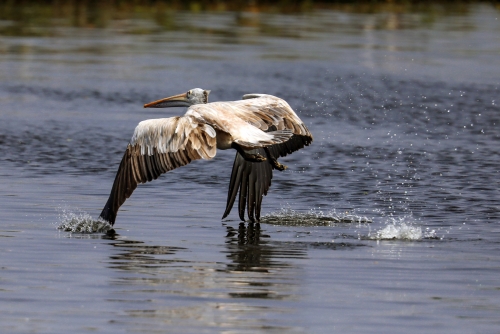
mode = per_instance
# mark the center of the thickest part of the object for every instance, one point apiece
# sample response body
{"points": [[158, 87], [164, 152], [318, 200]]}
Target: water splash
{"points": [[402, 230], [81, 222], [290, 217], [398, 232]]}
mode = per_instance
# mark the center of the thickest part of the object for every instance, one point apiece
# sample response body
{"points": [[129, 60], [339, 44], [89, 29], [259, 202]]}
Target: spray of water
{"points": [[402, 229], [80, 222]]}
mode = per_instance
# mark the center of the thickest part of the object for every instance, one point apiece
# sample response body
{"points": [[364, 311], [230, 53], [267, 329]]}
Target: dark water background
{"points": [[404, 109]]}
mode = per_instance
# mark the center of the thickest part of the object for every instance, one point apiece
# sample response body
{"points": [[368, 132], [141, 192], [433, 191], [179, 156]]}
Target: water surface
{"points": [[387, 222]]}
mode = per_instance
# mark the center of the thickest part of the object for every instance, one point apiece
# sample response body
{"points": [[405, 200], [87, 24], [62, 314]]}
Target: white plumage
{"points": [[245, 121]]}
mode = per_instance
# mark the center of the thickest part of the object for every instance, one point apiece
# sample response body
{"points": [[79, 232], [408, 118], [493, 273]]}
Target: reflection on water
{"points": [[160, 281], [265, 265], [250, 235], [141, 258]]}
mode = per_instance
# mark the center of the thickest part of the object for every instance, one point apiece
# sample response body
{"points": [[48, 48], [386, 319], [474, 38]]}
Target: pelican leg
{"points": [[248, 156], [273, 161]]}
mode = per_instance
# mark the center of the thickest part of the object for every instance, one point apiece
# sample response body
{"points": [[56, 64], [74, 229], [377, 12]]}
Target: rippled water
{"points": [[388, 222]]}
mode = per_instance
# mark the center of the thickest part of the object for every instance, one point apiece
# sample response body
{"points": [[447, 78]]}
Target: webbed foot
{"points": [[248, 156], [274, 162], [279, 166], [254, 157]]}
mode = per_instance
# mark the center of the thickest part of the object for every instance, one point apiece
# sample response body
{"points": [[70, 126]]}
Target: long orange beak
{"points": [[180, 100]]}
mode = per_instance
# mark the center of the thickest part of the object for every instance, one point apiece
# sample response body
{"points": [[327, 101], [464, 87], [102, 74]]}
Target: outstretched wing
{"points": [[251, 179], [158, 146]]}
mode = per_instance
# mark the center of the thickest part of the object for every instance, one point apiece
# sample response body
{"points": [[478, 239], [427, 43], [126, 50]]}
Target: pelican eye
{"points": [[188, 94]]}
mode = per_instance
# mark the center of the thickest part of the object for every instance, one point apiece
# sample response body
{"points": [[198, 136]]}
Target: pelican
{"points": [[260, 127]]}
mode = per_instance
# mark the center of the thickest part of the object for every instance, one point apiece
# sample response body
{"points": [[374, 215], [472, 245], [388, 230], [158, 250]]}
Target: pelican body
{"points": [[260, 127]]}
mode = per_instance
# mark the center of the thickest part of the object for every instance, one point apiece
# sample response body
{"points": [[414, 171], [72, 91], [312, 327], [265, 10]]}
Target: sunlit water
{"points": [[388, 222]]}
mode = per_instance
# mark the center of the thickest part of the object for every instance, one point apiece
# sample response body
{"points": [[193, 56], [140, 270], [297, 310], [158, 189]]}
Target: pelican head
{"points": [[191, 97]]}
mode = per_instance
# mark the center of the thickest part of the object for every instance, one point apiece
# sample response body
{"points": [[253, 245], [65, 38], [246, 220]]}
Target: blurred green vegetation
{"points": [[30, 17]]}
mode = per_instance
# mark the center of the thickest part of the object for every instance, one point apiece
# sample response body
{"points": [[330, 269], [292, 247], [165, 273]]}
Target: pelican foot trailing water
{"points": [[260, 127], [273, 161]]}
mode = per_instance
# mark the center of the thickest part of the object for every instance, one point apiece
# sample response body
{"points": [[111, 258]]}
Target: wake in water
{"points": [[401, 228], [313, 217], [81, 222]]}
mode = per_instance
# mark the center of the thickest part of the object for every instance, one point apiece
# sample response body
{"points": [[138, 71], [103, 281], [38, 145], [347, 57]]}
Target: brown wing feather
{"points": [[260, 110], [295, 143], [141, 165]]}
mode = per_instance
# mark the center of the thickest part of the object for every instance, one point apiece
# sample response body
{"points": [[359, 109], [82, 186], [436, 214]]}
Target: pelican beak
{"points": [[180, 100]]}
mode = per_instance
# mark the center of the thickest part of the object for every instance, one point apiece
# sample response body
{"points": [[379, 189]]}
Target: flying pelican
{"points": [[259, 127]]}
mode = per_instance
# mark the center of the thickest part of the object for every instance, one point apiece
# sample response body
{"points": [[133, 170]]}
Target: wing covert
{"points": [[260, 110]]}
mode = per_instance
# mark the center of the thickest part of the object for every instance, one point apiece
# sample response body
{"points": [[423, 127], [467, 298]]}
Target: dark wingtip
{"points": [[107, 214]]}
